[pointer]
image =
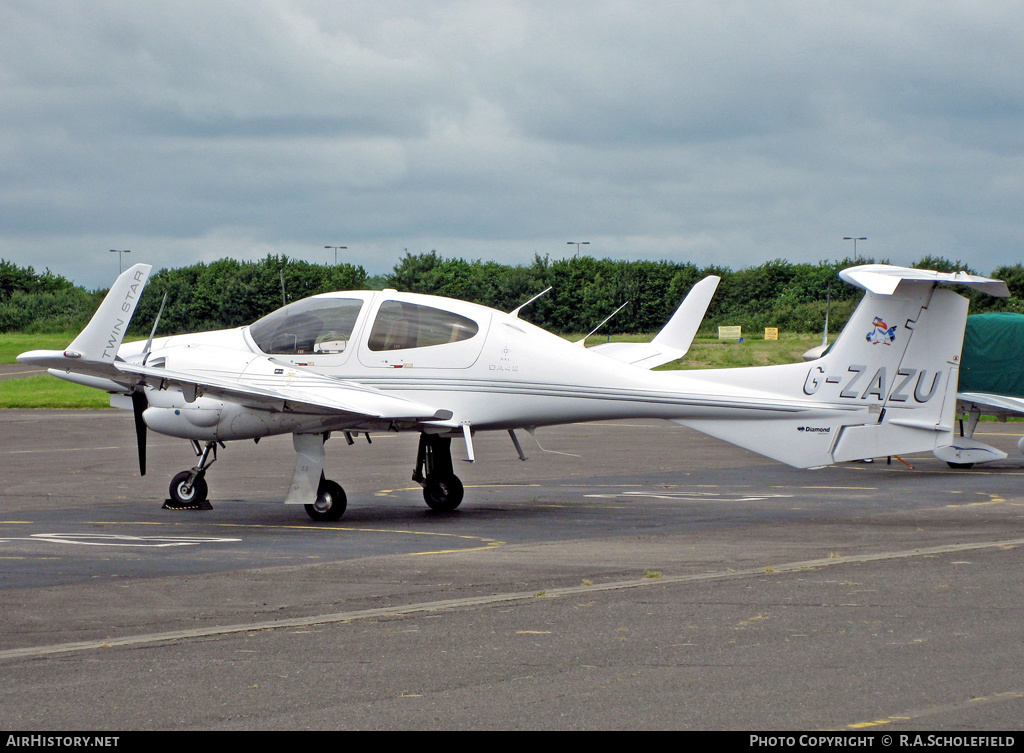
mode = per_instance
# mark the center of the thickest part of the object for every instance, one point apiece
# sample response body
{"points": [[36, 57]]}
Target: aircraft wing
{"points": [[674, 339], [297, 390]]}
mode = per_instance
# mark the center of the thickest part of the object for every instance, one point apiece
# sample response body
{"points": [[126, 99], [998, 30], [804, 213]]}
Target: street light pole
{"points": [[851, 238], [577, 244], [345, 248], [119, 257]]}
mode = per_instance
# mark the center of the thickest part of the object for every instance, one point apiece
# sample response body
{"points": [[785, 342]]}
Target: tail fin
{"points": [[93, 351], [887, 386]]}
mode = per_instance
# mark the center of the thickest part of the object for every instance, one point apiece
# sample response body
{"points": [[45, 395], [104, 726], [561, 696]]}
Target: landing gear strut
{"points": [[442, 489], [188, 489]]}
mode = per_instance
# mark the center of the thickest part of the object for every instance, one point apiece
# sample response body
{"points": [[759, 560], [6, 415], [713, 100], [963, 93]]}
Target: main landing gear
{"points": [[188, 488], [442, 489], [330, 502]]}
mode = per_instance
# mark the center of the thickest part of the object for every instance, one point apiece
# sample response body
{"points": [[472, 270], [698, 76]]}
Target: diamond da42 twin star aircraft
{"points": [[363, 362]]}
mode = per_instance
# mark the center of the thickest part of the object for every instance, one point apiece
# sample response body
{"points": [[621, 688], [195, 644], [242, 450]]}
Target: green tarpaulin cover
{"points": [[993, 355]]}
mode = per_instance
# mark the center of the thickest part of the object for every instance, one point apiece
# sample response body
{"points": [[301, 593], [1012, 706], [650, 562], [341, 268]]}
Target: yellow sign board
{"points": [[730, 333], [771, 333]]}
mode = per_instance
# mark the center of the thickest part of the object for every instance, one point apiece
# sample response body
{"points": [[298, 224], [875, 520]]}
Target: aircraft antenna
{"points": [[284, 297], [515, 312], [152, 332], [607, 319], [828, 302]]}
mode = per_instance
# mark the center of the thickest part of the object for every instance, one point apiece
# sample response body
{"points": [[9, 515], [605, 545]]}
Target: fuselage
{"points": [[492, 370]]}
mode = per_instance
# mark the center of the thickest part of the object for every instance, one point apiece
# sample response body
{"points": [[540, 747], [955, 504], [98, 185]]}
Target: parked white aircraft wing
{"points": [[93, 352], [675, 338], [271, 384]]}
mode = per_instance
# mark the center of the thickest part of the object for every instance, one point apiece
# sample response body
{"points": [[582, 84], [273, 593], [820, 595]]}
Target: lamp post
{"points": [[119, 257], [851, 238], [336, 248], [577, 244]]}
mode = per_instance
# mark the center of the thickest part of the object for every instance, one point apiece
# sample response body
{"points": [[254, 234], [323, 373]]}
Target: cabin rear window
{"points": [[313, 325], [401, 325]]}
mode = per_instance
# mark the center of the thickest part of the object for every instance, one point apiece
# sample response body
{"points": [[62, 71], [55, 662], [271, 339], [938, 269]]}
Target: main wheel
{"points": [[185, 495], [960, 466], [443, 494], [330, 502]]}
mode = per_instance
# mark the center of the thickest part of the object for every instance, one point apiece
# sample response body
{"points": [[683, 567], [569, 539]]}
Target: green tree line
{"points": [[584, 290]]}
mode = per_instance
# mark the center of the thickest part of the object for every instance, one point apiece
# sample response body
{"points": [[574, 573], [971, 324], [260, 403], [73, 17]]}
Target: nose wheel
{"points": [[188, 489]]}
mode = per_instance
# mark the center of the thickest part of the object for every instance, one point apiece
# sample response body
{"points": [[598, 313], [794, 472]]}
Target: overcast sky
{"points": [[715, 131]]}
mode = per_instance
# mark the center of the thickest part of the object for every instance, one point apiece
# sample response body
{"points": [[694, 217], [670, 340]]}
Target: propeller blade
{"points": [[139, 404]]}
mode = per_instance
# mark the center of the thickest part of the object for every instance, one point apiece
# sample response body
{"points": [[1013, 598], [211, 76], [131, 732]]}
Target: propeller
{"points": [[139, 400], [139, 404]]}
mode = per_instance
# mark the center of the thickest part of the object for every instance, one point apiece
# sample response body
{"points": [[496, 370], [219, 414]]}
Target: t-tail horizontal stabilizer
{"points": [[887, 386]]}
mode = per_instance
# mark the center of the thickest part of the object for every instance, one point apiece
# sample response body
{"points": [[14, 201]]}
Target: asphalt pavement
{"points": [[629, 575]]}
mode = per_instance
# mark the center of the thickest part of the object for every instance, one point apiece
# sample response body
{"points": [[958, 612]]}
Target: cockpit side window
{"points": [[400, 325], [310, 326]]}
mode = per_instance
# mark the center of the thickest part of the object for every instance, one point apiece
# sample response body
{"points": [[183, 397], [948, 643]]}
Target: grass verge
{"points": [[14, 343], [45, 391]]}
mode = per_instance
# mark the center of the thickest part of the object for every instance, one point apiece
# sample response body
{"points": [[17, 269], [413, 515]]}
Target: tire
{"points": [[960, 466], [195, 495], [330, 503], [443, 494]]}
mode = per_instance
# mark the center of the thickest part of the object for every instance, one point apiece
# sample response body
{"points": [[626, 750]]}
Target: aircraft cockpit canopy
{"points": [[400, 325], [312, 325], [325, 325]]}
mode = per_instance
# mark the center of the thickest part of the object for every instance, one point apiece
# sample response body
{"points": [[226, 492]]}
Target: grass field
{"points": [[45, 391], [11, 344]]}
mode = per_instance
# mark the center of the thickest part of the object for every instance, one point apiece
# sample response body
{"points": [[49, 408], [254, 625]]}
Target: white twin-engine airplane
{"points": [[362, 362]]}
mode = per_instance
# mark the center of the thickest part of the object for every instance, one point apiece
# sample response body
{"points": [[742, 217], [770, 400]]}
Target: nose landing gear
{"points": [[189, 489]]}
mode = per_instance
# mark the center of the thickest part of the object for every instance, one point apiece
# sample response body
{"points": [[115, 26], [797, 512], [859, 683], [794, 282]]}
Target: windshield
{"points": [[312, 325]]}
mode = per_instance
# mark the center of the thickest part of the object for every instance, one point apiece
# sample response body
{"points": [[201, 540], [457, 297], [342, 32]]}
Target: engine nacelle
{"points": [[209, 420]]}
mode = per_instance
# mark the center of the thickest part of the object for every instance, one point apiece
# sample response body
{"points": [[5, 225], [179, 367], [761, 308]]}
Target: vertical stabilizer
{"points": [[916, 397]]}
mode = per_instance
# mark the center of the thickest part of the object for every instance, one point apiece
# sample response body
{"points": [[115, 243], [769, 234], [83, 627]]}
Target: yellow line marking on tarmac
{"points": [[63, 449], [486, 600], [1010, 695], [385, 492], [994, 499]]}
